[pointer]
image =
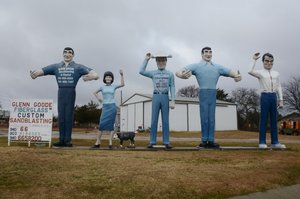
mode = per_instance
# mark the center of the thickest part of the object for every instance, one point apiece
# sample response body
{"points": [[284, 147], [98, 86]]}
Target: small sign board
{"points": [[30, 121]]}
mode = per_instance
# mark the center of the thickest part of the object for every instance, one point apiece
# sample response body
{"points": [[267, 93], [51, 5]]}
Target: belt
{"points": [[161, 92], [66, 87], [268, 92]]}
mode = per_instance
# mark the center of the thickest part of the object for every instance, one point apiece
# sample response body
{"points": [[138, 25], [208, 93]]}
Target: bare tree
{"points": [[188, 91], [222, 95], [248, 108], [291, 94], [193, 91]]}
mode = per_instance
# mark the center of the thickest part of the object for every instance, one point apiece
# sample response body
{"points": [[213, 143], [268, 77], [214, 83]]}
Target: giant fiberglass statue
{"points": [[163, 84], [207, 74], [270, 89], [67, 74]]}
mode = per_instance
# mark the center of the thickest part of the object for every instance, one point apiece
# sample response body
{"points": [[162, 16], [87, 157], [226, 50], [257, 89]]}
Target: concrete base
{"points": [[248, 148], [163, 148]]}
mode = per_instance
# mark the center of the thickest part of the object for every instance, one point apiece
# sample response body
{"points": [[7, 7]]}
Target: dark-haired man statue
{"points": [[207, 74], [270, 89], [67, 74]]}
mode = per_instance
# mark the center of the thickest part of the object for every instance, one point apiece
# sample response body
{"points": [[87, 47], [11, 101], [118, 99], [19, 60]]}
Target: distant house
{"points": [[136, 113], [290, 124]]}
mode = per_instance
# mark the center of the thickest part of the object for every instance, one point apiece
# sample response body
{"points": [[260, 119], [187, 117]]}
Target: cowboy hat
{"points": [[161, 54]]}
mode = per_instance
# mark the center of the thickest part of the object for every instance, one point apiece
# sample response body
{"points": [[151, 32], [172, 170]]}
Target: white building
{"points": [[136, 111]]}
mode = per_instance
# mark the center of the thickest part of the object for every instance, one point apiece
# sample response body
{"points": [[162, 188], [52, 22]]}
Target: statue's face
{"points": [[68, 55], [161, 62], [268, 63], [108, 79], [207, 55]]}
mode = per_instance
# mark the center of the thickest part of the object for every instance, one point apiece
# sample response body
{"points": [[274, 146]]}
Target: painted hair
{"points": [[69, 48], [108, 73], [205, 48], [267, 54]]}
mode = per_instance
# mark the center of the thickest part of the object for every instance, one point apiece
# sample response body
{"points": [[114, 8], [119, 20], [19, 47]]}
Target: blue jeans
{"points": [[207, 99], [66, 101], [268, 105], [160, 102]]}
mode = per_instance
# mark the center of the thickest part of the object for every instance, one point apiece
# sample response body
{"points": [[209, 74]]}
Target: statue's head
{"points": [[161, 62], [161, 59], [108, 77], [68, 54], [206, 54], [267, 60]]}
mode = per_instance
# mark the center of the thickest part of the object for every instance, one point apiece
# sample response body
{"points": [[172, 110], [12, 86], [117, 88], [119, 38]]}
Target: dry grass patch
{"points": [[54, 173]]}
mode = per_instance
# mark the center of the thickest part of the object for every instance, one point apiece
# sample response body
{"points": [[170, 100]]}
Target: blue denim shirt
{"points": [[207, 74], [66, 76], [163, 80]]}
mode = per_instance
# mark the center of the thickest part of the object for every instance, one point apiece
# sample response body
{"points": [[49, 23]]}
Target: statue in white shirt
{"points": [[270, 89]]}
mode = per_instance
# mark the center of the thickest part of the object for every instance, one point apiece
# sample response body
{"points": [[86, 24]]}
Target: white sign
{"points": [[30, 120]]}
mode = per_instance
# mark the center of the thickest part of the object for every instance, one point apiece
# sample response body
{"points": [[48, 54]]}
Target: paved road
{"points": [[290, 192]]}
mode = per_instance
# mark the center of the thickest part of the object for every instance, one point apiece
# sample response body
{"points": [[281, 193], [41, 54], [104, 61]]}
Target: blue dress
{"points": [[109, 109]]}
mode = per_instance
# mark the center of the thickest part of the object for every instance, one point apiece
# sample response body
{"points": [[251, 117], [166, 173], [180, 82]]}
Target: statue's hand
{"points": [[148, 56], [36, 73], [172, 104], [238, 77], [256, 56], [280, 105], [92, 75], [186, 74]]}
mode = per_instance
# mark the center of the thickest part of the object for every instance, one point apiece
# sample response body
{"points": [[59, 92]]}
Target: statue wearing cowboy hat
{"points": [[163, 82]]}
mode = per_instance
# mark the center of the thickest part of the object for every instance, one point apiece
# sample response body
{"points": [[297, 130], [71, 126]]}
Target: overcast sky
{"points": [[114, 34]]}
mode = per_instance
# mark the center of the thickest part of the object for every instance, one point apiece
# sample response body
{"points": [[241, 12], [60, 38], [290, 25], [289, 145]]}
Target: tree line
{"points": [[87, 115], [247, 100]]}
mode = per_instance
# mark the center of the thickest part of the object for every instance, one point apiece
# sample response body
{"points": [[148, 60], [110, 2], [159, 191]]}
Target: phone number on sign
{"points": [[29, 138]]}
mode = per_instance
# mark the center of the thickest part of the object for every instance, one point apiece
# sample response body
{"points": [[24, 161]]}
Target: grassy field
{"points": [[40, 172]]}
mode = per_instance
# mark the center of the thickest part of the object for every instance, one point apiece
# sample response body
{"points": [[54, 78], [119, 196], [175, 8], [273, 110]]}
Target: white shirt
{"points": [[268, 80]]}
